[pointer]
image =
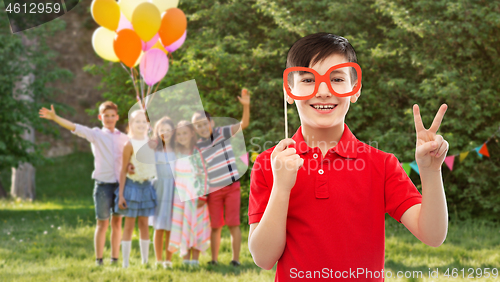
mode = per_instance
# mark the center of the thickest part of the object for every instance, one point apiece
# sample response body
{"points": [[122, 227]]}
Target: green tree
{"points": [[17, 116]]}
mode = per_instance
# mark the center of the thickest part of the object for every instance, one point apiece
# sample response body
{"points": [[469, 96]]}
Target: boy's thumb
{"points": [[52, 108]]}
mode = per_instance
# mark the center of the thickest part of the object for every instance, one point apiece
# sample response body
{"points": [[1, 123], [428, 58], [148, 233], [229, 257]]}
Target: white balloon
{"points": [[102, 41]]}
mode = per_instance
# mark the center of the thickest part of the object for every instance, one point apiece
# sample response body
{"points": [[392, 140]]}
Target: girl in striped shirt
{"points": [[190, 220]]}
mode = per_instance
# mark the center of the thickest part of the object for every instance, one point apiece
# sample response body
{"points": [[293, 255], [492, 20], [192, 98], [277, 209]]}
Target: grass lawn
{"points": [[51, 239]]}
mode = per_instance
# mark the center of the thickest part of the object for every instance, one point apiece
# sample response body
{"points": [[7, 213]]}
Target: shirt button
{"points": [[315, 156], [321, 171]]}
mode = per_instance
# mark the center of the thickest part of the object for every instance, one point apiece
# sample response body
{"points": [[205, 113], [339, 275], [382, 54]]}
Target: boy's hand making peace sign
{"points": [[431, 148]]}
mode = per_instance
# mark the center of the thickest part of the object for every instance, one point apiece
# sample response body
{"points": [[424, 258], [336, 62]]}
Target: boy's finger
{"points": [[438, 118], [426, 148], [52, 108], [282, 145], [419, 125], [288, 152]]}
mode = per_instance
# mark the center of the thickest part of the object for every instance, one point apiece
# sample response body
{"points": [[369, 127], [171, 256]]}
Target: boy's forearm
{"points": [[245, 119], [64, 123], [267, 241], [433, 219]]}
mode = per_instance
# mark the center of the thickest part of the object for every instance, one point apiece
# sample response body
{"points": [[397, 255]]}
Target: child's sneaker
{"points": [[98, 262], [167, 264], [235, 263], [213, 262], [195, 263], [186, 262], [159, 264], [114, 261]]}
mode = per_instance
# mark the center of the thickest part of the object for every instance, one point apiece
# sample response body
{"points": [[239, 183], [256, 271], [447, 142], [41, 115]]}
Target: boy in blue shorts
{"points": [[107, 146], [318, 200], [224, 196]]}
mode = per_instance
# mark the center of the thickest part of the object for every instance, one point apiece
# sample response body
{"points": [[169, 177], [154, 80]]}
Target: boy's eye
{"points": [[338, 80], [307, 80]]}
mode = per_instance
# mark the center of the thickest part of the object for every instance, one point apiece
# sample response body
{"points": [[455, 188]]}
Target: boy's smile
{"points": [[325, 110]]}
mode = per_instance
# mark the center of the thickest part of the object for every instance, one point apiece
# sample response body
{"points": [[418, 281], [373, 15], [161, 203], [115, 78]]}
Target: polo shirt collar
{"points": [[106, 130], [347, 146]]}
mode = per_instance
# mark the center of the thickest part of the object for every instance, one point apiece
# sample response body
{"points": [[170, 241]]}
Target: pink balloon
{"points": [[147, 45], [154, 66], [124, 23], [174, 46]]}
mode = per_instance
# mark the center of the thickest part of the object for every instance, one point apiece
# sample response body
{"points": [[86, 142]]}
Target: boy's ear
{"points": [[355, 97], [212, 123], [288, 98], [99, 117]]}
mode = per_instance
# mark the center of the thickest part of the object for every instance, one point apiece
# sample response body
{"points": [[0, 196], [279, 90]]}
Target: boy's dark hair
{"points": [[202, 113], [316, 47]]}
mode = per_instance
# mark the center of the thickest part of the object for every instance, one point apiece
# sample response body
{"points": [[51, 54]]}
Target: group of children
{"points": [[183, 195]]}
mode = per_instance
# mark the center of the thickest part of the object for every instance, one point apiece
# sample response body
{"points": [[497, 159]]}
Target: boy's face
{"points": [[309, 112], [108, 118], [202, 126]]}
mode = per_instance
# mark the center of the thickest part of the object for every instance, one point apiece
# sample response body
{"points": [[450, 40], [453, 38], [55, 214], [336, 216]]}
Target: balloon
{"points": [[148, 45], [163, 5], [154, 66], [128, 6], [102, 41], [174, 46], [146, 20], [173, 25], [106, 13], [158, 45], [127, 46], [124, 23], [139, 59]]}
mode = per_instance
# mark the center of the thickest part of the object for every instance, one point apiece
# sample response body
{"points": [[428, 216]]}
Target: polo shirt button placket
{"points": [[315, 156], [321, 171]]}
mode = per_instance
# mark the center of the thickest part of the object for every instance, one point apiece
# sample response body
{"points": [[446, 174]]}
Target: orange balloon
{"points": [[173, 25], [127, 46]]}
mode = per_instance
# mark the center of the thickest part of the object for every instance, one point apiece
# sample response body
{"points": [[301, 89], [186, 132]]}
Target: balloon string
{"points": [[142, 89], [158, 84], [131, 73]]}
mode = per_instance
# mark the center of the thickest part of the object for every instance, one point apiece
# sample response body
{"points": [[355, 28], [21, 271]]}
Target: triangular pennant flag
{"points": [[449, 161], [484, 150], [407, 168], [477, 151], [463, 156], [244, 158], [414, 166]]}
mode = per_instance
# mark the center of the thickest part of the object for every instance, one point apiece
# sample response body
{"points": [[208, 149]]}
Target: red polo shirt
{"points": [[335, 225]]}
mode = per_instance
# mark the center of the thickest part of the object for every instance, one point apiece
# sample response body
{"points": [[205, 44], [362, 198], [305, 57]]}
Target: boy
{"points": [[318, 207], [107, 146], [224, 191]]}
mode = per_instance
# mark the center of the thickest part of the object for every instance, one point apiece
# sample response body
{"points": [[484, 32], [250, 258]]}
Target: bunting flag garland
{"points": [[414, 166], [484, 151], [477, 151], [407, 168], [463, 156], [244, 158], [450, 160]]}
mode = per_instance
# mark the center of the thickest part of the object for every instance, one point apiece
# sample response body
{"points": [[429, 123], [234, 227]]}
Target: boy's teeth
{"points": [[323, 107]]}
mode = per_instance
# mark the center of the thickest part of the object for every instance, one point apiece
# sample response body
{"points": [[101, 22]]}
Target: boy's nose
{"points": [[323, 90]]}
